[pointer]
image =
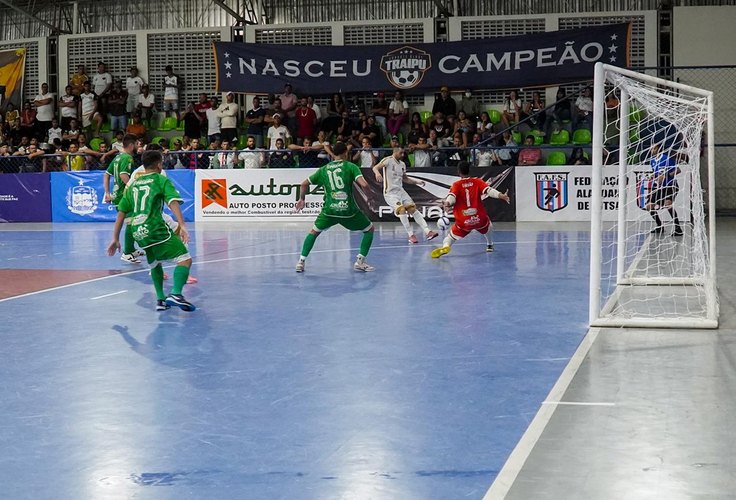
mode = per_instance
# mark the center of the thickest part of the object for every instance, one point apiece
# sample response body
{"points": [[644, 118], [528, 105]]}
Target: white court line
{"points": [[577, 403], [506, 477], [108, 295], [248, 257], [214, 261]]}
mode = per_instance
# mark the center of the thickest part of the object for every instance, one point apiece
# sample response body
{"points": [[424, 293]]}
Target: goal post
{"points": [[652, 259]]}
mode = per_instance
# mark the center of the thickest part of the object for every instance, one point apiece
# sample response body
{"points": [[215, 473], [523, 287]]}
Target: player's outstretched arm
{"points": [[410, 180], [377, 169], [114, 245], [303, 189]]}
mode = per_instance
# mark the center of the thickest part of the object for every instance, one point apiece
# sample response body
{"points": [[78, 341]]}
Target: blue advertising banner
{"points": [[78, 196], [184, 181], [25, 198], [497, 63]]}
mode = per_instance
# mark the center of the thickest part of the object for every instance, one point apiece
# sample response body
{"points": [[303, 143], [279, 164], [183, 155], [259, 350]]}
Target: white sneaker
{"points": [[130, 258], [300, 266], [139, 253], [362, 265]]}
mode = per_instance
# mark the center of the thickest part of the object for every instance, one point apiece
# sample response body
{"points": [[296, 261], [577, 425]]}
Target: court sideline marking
{"points": [[242, 257], [511, 469]]}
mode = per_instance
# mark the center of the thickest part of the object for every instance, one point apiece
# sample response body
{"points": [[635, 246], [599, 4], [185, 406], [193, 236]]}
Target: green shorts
{"points": [[357, 222], [171, 249]]}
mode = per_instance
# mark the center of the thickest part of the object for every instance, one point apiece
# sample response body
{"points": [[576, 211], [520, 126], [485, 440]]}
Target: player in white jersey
{"points": [[393, 180], [169, 220]]}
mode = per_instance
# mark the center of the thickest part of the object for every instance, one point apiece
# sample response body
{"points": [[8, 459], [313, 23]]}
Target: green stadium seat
{"points": [[156, 139], [557, 158], [494, 115], [411, 159], [425, 116], [168, 123], [635, 115], [516, 135], [538, 136], [95, 143], [179, 126], [582, 136], [242, 141], [105, 126], [560, 137], [174, 139]]}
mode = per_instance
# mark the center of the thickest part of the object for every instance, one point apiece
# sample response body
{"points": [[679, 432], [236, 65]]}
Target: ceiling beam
{"points": [[238, 17], [54, 29]]}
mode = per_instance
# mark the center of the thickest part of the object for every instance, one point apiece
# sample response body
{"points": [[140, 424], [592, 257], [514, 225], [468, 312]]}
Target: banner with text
{"points": [[508, 62], [79, 196], [25, 198], [271, 194], [560, 194]]}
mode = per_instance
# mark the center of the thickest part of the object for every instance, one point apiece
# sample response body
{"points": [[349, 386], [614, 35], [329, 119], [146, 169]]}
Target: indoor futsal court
{"points": [[415, 381]]}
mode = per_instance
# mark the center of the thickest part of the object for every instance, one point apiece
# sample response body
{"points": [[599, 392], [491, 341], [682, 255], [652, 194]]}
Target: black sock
{"points": [[656, 218], [673, 214]]}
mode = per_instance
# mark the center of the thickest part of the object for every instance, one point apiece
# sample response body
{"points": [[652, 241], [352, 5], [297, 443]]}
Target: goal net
{"points": [[652, 247]]}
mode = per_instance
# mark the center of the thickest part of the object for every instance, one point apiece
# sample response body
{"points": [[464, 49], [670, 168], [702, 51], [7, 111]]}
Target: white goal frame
{"points": [[597, 312]]}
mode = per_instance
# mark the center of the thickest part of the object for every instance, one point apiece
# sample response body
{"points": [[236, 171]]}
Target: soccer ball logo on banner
{"points": [[405, 67]]}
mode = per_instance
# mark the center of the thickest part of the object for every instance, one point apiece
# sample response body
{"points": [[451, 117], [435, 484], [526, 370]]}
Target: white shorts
{"points": [[169, 220], [398, 198]]}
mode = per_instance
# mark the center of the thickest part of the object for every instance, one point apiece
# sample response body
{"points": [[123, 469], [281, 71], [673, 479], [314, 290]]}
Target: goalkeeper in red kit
{"points": [[466, 200]]}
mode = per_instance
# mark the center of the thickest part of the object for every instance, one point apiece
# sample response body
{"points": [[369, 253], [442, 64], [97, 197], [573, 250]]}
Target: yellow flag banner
{"points": [[12, 68]]}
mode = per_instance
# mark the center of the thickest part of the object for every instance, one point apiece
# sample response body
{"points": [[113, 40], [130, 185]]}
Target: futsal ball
{"points": [[406, 78], [443, 223]]}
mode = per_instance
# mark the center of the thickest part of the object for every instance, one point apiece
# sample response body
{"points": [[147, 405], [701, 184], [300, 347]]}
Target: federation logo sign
{"points": [[645, 184], [81, 200], [551, 191], [405, 67], [214, 191]]}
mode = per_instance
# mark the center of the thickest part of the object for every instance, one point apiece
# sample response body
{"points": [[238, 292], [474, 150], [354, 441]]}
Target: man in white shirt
{"points": [[69, 105], [101, 84], [228, 113], [251, 157], [44, 104], [55, 131], [89, 105], [315, 107], [213, 121], [146, 103], [277, 131], [393, 179], [171, 92], [134, 86]]}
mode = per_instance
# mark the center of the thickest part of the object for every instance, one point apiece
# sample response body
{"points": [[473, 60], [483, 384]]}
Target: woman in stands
{"points": [[417, 129]]}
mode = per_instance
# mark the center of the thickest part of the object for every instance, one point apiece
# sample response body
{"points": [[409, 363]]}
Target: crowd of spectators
{"points": [[282, 130]]}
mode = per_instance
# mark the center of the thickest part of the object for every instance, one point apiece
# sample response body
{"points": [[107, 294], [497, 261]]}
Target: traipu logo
{"points": [[405, 67], [81, 200]]}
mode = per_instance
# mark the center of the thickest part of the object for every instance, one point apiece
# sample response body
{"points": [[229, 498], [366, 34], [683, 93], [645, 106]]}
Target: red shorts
{"points": [[461, 230]]}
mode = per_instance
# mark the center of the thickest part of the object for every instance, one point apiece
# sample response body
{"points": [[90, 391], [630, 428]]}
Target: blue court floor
{"points": [[415, 381]]}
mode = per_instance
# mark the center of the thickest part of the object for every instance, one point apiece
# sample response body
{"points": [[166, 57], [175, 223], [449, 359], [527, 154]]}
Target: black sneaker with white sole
{"points": [[178, 300], [161, 305], [677, 231], [489, 248]]}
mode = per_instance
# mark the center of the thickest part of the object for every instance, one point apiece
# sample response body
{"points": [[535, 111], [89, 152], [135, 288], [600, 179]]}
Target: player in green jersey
{"points": [[119, 171], [336, 178], [142, 207]]}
